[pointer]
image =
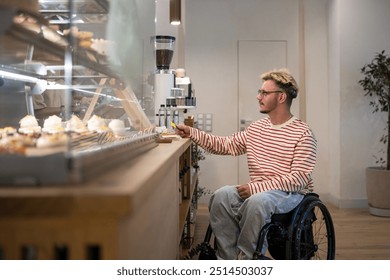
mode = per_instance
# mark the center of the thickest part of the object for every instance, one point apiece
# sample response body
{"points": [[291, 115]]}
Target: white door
{"points": [[254, 58]]}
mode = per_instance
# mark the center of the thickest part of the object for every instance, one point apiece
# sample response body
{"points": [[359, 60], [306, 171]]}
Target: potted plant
{"points": [[376, 84]]}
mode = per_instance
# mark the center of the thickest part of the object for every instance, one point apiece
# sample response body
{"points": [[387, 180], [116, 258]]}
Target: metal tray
{"points": [[71, 167]]}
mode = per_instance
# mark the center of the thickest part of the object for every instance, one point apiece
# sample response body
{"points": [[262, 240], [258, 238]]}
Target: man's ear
{"points": [[283, 97]]}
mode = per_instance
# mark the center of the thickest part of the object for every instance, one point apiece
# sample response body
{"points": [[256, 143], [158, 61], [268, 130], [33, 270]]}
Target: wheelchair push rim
{"points": [[314, 236]]}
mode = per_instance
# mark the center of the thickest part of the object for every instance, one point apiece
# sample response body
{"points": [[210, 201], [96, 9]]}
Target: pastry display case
{"points": [[71, 105]]}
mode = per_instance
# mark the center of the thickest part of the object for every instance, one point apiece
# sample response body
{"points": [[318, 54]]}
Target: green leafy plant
{"points": [[376, 84], [201, 191]]}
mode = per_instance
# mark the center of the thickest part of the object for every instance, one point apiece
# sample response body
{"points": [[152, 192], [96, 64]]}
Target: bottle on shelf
{"points": [[162, 115], [175, 114], [168, 118]]}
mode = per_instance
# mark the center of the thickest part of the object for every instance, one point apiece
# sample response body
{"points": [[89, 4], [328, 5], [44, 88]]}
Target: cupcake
{"points": [[97, 124], [52, 125], [52, 140], [29, 125], [117, 127], [76, 125]]}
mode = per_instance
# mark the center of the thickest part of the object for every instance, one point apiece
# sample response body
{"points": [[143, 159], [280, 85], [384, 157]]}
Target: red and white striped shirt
{"points": [[280, 157]]}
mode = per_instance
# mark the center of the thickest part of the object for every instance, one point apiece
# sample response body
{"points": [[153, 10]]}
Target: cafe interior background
{"points": [[225, 45]]}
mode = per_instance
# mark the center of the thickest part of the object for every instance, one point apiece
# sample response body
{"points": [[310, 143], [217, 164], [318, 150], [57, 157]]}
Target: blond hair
{"points": [[284, 80]]}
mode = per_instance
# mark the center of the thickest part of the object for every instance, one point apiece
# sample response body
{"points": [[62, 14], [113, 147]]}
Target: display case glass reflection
{"points": [[67, 93]]}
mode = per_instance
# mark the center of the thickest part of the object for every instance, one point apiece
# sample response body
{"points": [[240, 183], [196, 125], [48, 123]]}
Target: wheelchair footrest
{"points": [[259, 256]]}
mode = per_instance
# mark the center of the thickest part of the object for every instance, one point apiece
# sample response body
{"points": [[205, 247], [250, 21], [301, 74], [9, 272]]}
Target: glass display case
{"points": [[74, 91]]}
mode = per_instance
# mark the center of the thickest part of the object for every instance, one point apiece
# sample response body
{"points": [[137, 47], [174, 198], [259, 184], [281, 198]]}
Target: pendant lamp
{"points": [[175, 12]]}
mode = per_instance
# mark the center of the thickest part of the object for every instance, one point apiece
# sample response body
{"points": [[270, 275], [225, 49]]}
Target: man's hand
{"points": [[183, 130], [244, 191]]}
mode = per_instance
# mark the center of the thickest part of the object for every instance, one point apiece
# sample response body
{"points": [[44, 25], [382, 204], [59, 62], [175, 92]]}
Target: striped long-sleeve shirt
{"points": [[279, 157]]}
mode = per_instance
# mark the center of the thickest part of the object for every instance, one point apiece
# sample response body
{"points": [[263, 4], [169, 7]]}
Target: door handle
{"points": [[244, 124]]}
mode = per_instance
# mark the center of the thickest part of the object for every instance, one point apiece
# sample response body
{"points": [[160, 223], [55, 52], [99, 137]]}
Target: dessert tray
{"points": [[82, 158], [67, 152]]}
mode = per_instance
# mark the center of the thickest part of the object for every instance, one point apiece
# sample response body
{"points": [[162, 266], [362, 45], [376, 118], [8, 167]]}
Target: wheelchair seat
{"points": [[305, 233], [285, 218]]}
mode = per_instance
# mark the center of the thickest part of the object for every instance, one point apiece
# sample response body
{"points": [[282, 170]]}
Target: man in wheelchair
{"points": [[281, 151]]}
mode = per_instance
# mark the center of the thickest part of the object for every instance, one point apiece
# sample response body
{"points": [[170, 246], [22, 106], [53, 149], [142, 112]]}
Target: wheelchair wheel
{"points": [[314, 236]]}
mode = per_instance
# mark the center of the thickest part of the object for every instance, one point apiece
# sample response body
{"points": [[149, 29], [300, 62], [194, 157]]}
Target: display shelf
{"points": [[83, 56], [79, 6], [186, 107]]}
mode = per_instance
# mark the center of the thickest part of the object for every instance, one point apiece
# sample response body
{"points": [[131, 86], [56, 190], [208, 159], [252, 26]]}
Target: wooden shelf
{"points": [[186, 203], [188, 185]]}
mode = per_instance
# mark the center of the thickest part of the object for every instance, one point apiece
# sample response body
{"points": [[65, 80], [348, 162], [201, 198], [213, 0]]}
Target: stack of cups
{"points": [[178, 93]]}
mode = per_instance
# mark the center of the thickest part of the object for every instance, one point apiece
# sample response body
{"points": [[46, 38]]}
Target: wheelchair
{"points": [[305, 233]]}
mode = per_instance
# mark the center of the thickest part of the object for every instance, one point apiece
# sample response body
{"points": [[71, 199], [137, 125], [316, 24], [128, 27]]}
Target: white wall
{"points": [[363, 29], [316, 85], [334, 101]]}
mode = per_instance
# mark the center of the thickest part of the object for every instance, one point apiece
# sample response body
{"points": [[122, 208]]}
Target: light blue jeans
{"points": [[236, 223]]}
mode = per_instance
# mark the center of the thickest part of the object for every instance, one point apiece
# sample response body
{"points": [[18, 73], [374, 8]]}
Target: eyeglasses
{"points": [[263, 93]]}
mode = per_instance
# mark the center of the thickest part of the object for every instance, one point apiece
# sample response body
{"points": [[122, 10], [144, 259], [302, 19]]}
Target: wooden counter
{"points": [[129, 212]]}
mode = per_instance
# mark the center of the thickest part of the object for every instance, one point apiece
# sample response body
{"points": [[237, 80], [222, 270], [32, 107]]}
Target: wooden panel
{"points": [[45, 234], [153, 233], [131, 212]]}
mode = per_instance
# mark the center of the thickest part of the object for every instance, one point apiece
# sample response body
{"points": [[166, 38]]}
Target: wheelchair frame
{"points": [[305, 233]]}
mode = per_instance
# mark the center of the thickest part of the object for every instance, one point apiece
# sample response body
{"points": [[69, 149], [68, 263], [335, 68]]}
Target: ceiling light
{"points": [[175, 12]]}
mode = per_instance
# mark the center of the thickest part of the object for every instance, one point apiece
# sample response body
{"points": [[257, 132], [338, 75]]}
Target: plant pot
{"points": [[378, 191]]}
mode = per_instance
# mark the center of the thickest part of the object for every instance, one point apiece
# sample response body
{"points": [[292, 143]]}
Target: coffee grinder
{"points": [[164, 78]]}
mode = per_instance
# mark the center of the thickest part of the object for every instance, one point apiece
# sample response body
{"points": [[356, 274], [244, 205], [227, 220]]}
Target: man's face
{"points": [[268, 96]]}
